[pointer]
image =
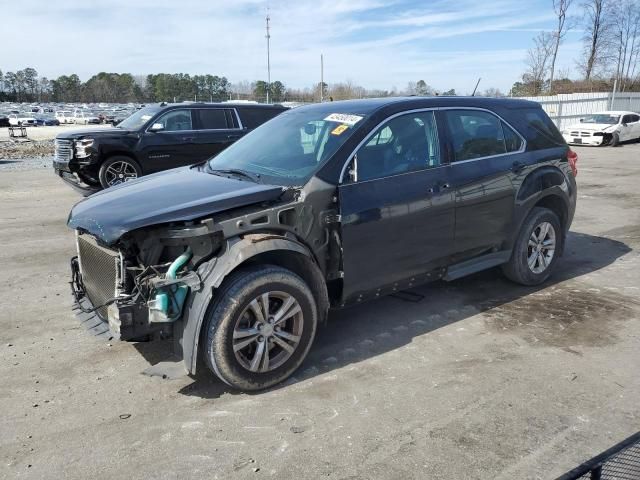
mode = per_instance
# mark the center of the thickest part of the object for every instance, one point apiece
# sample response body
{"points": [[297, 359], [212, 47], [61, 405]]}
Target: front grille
{"points": [[99, 269], [580, 134], [64, 150]]}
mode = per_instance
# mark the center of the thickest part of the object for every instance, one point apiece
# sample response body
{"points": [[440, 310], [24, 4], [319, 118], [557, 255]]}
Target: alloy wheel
{"points": [[268, 331], [541, 247], [120, 172]]}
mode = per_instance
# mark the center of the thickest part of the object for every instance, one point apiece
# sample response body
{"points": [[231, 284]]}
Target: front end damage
{"points": [[157, 281], [139, 287]]}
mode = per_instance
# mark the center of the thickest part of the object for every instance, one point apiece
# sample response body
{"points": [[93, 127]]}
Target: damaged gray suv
{"points": [[240, 258]]}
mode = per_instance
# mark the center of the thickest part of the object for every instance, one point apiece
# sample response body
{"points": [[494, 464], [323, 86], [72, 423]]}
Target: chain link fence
{"points": [[620, 462]]}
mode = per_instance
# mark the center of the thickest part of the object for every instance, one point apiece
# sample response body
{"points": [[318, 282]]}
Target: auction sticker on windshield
{"points": [[343, 118], [339, 129]]}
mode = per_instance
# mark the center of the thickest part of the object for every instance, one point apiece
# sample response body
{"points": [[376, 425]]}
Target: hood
{"points": [[180, 194], [589, 127], [92, 132]]}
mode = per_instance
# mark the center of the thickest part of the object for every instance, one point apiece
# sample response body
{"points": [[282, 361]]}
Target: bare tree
{"points": [[538, 62], [626, 41], [560, 7], [597, 26]]}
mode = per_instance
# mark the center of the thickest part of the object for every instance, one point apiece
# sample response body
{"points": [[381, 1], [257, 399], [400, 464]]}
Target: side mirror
{"points": [[156, 127], [352, 172], [581, 120]]}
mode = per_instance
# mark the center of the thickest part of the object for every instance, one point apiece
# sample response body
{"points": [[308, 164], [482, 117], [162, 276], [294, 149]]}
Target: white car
{"points": [[64, 116], [85, 118], [604, 128], [16, 120]]}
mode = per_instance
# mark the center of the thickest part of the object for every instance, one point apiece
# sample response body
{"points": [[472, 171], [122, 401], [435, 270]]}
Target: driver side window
{"points": [[403, 144], [176, 121]]}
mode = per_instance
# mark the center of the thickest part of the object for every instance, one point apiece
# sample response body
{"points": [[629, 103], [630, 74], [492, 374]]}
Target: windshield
{"points": [[290, 148], [602, 118], [136, 120]]}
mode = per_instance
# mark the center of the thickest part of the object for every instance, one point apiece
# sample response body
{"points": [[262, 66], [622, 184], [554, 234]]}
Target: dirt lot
{"points": [[480, 379], [50, 132], [39, 142]]}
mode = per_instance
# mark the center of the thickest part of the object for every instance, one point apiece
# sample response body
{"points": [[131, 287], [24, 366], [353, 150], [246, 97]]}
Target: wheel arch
{"points": [[545, 187], [254, 249], [109, 154]]}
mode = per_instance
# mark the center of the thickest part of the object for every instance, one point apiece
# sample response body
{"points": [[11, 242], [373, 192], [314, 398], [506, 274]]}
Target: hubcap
{"points": [[120, 172], [268, 331], [541, 247]]}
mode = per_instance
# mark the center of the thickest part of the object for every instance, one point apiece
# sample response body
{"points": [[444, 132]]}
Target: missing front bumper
{"points": [[123, 321]]}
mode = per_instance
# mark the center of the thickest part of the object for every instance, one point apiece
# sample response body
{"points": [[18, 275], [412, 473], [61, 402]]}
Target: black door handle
{"points": [[233, 137], [517, 167]]}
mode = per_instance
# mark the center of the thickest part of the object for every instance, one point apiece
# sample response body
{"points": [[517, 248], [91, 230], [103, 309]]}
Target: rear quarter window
{"points": [[540, 131], [254, 117]]}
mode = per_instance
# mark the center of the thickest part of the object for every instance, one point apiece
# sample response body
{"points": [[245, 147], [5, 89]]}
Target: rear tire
{"points": [[536, 249], [251, 350]]}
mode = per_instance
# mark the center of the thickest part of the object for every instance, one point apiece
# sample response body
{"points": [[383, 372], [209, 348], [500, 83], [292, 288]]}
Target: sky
{"points": [[374, 43]]}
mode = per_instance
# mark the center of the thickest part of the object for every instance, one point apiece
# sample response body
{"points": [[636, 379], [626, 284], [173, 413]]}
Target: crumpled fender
{"points": [[213, 273]]}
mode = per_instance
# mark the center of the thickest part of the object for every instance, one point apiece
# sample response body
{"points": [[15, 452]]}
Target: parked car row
{"points": [[34, 115], [239, 256]]}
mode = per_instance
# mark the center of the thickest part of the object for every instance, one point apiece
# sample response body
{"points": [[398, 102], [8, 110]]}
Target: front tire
{"points": [[117, 170], [615, 140], [260, 327], [536, 249]]}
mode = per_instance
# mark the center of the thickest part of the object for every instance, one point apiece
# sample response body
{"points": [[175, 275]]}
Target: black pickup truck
{"points": [[157, 137]]}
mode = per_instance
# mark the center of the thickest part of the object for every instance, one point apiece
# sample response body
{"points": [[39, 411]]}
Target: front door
{"points": [[173, 146], [630, 128], [397, 206]]}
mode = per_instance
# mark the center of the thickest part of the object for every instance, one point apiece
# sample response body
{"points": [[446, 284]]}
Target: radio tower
{"points": [[268, 56]]}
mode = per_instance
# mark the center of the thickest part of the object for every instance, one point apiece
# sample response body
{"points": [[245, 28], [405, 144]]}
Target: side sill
{"points": [[477, 264]]}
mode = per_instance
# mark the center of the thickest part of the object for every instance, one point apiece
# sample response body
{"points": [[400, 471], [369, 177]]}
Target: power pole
{"points": [[268, 57], [321, 78]]}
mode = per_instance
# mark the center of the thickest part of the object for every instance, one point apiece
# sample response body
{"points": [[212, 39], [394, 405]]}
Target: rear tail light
{"points": [[573, 162]]}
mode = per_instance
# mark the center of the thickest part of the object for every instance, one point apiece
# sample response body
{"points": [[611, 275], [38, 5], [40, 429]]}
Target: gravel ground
{"points": [[480, 379]]}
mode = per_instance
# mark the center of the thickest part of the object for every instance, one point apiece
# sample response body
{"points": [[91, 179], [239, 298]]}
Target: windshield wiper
{"points": [[254, 177]]}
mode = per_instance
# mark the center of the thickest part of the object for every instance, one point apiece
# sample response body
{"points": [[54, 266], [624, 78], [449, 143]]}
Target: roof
{"points": [[615, 112], [230, 104], [369, 105]]}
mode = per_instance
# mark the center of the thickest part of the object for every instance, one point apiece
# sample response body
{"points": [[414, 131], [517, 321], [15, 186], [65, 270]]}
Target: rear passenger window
{"points": [[512, 140], [475, 134], [212, 119], [541, 131], [254, 117]]}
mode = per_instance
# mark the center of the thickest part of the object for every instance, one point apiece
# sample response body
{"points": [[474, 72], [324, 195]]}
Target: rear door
{"points": [[486, 156], [171, 147], [397, 208], [216, 129], [253, 117]]}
